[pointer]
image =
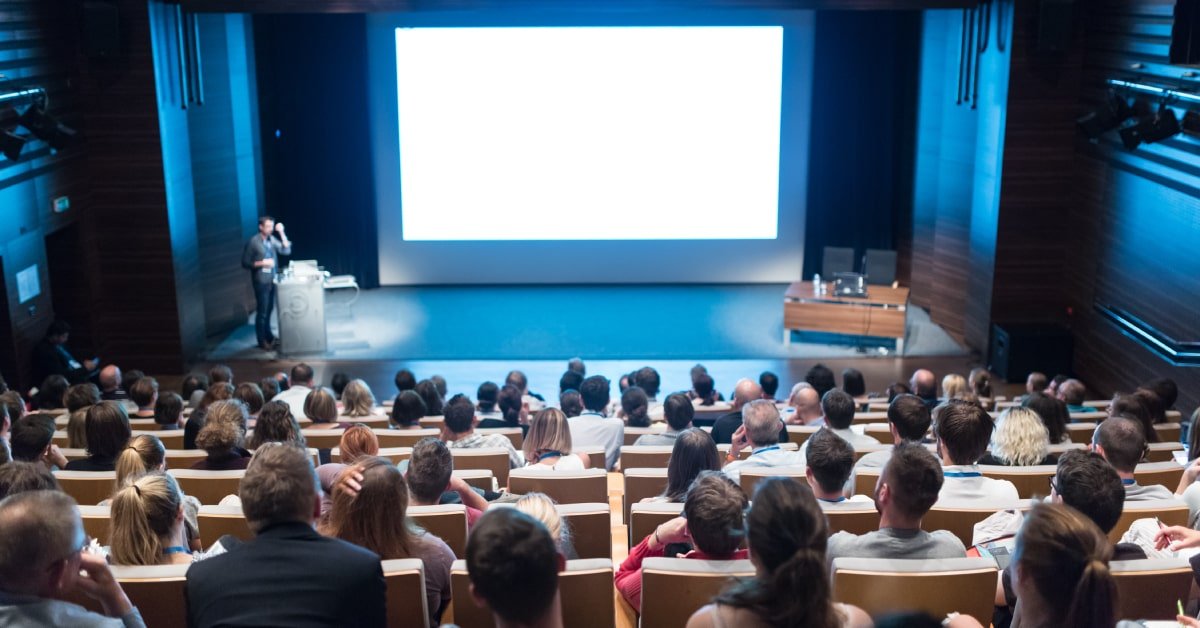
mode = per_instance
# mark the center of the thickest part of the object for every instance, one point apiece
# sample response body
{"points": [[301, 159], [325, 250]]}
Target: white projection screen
{"points": [[590, 153]]}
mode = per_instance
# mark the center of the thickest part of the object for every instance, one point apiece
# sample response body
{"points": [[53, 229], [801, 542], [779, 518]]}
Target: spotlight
{"points": [[47, 128], [12, 144]]}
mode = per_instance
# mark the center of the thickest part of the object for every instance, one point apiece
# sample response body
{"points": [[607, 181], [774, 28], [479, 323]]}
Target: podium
{"points": [[301, 306]]}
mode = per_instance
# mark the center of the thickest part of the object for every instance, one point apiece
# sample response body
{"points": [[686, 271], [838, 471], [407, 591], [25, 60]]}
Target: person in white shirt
{"points": [[591, 428], [830, 461], [908, 419], [532, 401], [1122, 443], [963, 431], [759, 432], [302, 384], [806, 406]]}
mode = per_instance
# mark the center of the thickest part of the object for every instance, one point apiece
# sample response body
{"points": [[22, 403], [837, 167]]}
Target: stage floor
{"points": [[632, 322]]}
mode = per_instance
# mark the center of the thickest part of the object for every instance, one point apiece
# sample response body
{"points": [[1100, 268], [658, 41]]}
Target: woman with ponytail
{"points": [[148, 523], [145, 453], [786, 531]]}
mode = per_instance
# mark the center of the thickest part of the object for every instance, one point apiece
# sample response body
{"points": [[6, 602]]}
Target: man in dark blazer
{"points": [[261, 258], [289, 575], [50, 357]]}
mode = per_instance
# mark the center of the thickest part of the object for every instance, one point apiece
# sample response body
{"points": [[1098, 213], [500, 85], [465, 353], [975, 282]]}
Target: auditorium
{"points": [[599, 313]]}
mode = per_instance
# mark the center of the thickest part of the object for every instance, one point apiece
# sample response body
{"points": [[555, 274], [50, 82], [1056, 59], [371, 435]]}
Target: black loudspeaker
{"points": [[101, 29], [1185, 33], [1018, 350], [1054, 27]]}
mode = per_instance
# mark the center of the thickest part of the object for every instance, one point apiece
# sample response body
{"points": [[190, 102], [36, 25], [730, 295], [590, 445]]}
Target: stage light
{"points": [[47, 128], [12, 144]]}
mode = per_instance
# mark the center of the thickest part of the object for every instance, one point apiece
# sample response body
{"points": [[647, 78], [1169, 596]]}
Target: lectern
{"points": [[301, 293]]}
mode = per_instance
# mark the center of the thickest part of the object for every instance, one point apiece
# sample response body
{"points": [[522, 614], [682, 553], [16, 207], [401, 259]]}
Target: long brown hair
{"points": [[1066, 556], [375, 518]]}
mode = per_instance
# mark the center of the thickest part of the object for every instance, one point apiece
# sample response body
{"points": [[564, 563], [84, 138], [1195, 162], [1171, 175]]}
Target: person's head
{"points": [[595, 393], [280, 486], [408, 408], [541, 507], [302, 375], [19, 476], [853, 383], [1020, 438], [838, 408], [1153, 403], [909, 418], [624, 382], [405, 380], [512, 405], [1052, 411], [923, 384], [693, 452], [357, 398], [276, 424], [250, 394], [31, 436], [647, 379], [220, 373], [1085, 482], [636, 404], [430, 395], [220, 391], [1166, 389], [572, 403], [77, 429], [570, 380], [1132, 407], [715, 508], [762, 422], [1061, 565], [744, 392], [459, 414], [895, 389], [806, 401], [81, 396], [909, 483], [320, 406], [52, 393], [769, 382], [375, 517], [486, 396], [224, 427], [980, 381], [193, 382], [1073, 392], [107, 428], [266, 225], [429, 470], [39, 550], [147, 512], [1055, 382], [58, 332], [338, 383], [109, 377], [14, 405], [548, 434], [954, 386], [1121, 441], [821, 378], [513, 566], [144, 392], [576, 364], [963, 432], [679, 411], [358, 441], [144, 453], [702, 385], [269, 387], [1036, 382], [168, 408], [830, 461], [518, 379]]}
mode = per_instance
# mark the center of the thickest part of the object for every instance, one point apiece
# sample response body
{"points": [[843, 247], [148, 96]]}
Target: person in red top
{"points": [[711, 523]]}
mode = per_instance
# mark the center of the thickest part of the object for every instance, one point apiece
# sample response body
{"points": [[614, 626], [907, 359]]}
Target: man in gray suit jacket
{"points": [[261, 258]]}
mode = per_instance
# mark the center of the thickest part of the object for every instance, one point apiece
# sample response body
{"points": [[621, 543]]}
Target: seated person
{"points": [[679, 412], [804, 406], [635, 407], [726, 425], [31, 439], [276, 424], [905, 491], [144, 393], [571, 403], [711, 521], [694, 452], [223, 437], [430, 475], [407, 411], [513, 567], [591, 428], [320, 407], [963, 431], [486, 397], [830, 462], [760, 432], [19, 477], [458, 430], [547, 446], [908, 419], [838, 408], [168, 411], [1122, 443], [41, 564], [107, 427], [1073, 392], [541, 507], [357, 442], [1020, 440], [149, 523]]}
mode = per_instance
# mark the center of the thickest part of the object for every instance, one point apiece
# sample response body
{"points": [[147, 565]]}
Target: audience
{"points": [[80, 396], [297, 392], [908, 420], [1053, 413], [704, 390], [787, 536], [679, 412], [513, 567], [821, 378], [541, 507], [405, 380], [276, 425], [110, 384], [19, 477], [338, 382], [148, 522], [769, 382], [407, 411], [513, 411], [853, 383], [547, 446], [979, 380], [486, 398], [221, 391], [1166, 389], [430, 478], [328, 581], [724, 427], [193, 388], [711, 522], [76, 429], [458, 430], [168, 411], [571, 403], [50, 394], [896, 389], [635, 406], [963, 431], [1123, 444], [760, 433], [805, 404], [144, 393], [532, 401], [145, 453], [570, 380], [924, 385], [251, 395], [1036, 383], [269, 387], [830, 463], [954, 386], [31, 439], [1073, 393], [694, 452], [357, 399], [1019, 440], [430, 395], [108, 432], [320, 407], [591, 428], [838, 408], [223, 437], [1131, 407]]}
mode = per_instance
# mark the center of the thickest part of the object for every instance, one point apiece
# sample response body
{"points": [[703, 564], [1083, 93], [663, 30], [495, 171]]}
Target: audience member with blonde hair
{"points": [[548, 444], [953, 386], [77, 429], [146, 454], [223, 437], [276, 425], [373, 516], [357, 399], [1019, 440], [541, 507], [148, 522]]}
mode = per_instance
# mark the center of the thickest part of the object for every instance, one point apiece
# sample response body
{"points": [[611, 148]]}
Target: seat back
{"points": [[494, 459], [96, 522], [597, 457], [836, 259], [645, 456], [157, 591], [674, 588], [403, 438], [1168, 432], [852, 517], [87, 487], [960, 518], [800, 433], [634, 433], [641, 483], [218, 521], [750, 477], [863, 450], [870, 417], [865, 480], [585, 588], [513, 434], [591, 528], [325, 438], [406, 601], [1163, 452], [448, 522], [184, 458], [1149, 589], [171, 439], [1081, 432], [1032, 481], [374, 421], [432, 422], [210, 487], [881, 432], [644, 518], [937, 587], [725, 449], [395, 454], [564, 487], [1167, 474], [1170, 512], [481, 479]]}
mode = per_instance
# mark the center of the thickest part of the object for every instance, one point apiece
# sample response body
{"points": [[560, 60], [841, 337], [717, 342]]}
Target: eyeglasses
{"points": [[1053, 485]]}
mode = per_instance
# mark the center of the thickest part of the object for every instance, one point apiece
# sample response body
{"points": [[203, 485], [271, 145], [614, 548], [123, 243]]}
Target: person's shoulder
{"points": [[430, 547], [948, 539], [842, 539]]}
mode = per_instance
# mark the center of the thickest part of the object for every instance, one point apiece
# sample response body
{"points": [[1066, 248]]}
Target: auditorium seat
{"points": [[395, 454], [641, 483], [479, 478], [1149, 589], [1167, 474], [852, 517], [143, 424], [95, 522], [1168, 432], [865, 480], [564, 487], [799, 433], [870, 417], [184, 458], [1058, 449], [881, 432], [1163, 452], [210, 487], [644, 518], [746, 452], [634, 433], [217, 521], [406, 601], [645, 456], [674, 588], [590, 527], [403, 438], [862, 450], [513, 434], [171, 439], [1031, 481], [60, 438], [156, 590], [585, 588], [432, 422], [597, 458], [938, 587], [494, 459], [323, 438], [959, 518], [373, 422], [750, 477], [1169, 511], [79, 454], [87, 487], [448, 522]]}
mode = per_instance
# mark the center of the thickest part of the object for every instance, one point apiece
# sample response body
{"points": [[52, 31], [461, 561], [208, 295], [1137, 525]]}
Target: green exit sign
{"points": [[61, 204]]}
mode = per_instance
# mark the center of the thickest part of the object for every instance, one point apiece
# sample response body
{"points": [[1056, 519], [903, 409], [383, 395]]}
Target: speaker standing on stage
{"points": [[261, 258]]}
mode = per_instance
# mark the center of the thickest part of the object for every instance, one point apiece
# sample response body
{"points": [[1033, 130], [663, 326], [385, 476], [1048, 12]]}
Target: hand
{"points": [[279, 228], [673, 531], [1176, 538], [98, 583], [268, 262], [350, 481], [739, 441], [90, 365], [1184, 620], [55, 457]]}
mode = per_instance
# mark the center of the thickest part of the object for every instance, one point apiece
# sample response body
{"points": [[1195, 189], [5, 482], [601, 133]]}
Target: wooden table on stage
{"points": [[880, 314]]}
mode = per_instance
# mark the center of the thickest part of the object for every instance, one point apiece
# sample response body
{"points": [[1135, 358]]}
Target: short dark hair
{"points": [[853, 382], [14, 405], [914, 476], [264, 219], [1090, 485], [679, 411], [513, 564], [576, 364], [107, 428], [570, 380], [714, 508], [405, 380], [511, 402], [408, 408], [518, 379], [81, 396], [1153, 403], [220, 373], [769, 383], [703, 385], [895, 389], [1053, 412], [571, 403], [20, 476], [439, 383], [430, 395], [821, 378], [647, 379], [964, 429], [167, 408], [429, 470], [911, 417], [30, 435], [1073, 392], [1134, 408], [838, 408], [594, 391], [192, 383], [302, 373], [143, 390], [831, 459], [250, 394], [459, 414], [486, 395], [636, 405], [1123, 441], [269, 387], [338, 383], [1166, 389]]}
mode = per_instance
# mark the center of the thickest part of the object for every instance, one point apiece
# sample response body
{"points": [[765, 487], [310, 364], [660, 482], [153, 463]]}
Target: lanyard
{"points": [[832, 501], [176, 549], [1129, 481], [765, 449], [962, 474]]}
